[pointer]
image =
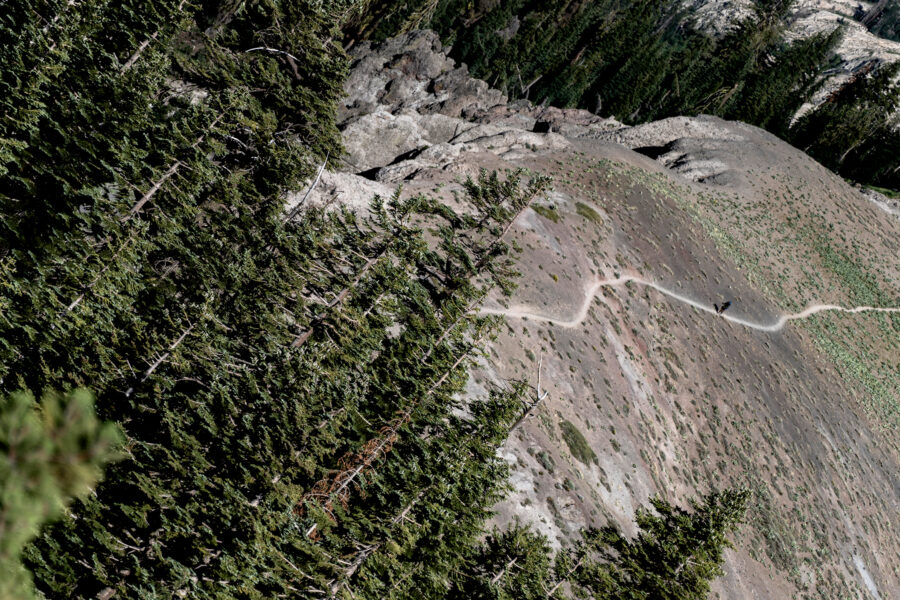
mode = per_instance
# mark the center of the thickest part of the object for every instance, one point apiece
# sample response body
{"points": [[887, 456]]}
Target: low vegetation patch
{"points": [[548, 212], [577, 443], [884, 191], [588, 213]]}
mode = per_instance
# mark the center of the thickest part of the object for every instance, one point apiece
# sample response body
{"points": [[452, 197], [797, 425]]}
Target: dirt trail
{"points": [[520, 312]]}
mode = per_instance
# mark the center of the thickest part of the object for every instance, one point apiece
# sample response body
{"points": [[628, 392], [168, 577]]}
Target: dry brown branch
{"points": [[337, 488]]}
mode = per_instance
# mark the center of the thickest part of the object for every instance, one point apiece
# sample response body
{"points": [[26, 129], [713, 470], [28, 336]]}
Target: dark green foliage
{"points": [[238, 417], [50, 455], [381, 19], [514, 564], [633, 60], [772, 95], [144, 250], [675, 555], [883, 19], [854, 131]]}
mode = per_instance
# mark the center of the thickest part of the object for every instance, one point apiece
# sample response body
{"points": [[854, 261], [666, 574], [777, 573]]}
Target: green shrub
{"points": [[588, 213], [577, 443], [546, 461], [49, 454], [548, 212]]}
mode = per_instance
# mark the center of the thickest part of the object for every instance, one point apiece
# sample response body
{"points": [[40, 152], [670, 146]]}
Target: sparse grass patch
{"points": [[885, 191], [548, 212], [546, 461], [588, 213], [577, 443]]}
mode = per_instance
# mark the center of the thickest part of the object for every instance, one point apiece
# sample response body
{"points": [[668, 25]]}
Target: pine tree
{"points": [[511, 564], [882, 19], [676, 554], [842, 126], [52, 452], [790, 76]]}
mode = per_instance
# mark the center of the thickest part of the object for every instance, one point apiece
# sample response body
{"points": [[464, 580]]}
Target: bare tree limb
{"points": [[339, 299], [337, 487], [146, 197], [564, 579], [272, 51], [503, 571], [105, 268], [300, 204], [137, 53], [538, 398], [165, 355]]}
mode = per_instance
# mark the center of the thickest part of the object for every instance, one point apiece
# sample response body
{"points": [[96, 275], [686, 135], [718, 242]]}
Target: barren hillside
{"points": [[652, 392]]}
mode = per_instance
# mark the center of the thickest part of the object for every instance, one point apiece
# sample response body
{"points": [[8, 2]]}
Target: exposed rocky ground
{"points": [[719, 15], [888, 205], [649, 395], [809, 18]]}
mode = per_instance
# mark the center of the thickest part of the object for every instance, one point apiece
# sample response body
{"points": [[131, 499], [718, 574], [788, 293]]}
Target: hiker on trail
{"points": [[723, 308]]}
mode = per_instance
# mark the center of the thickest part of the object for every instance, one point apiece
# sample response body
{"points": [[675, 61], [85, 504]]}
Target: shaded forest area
{"points": [[639, 60], [273, 389], [883, 19]]}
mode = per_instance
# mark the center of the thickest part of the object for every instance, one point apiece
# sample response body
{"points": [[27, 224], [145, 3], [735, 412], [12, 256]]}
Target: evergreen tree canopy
{"points": [[286, 380], [675, 555], [883, 19], [854, 126], [50, 455]]}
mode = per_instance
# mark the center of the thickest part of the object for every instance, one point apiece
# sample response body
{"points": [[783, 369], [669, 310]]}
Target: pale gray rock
{"points": [[340, 189], [413, 71], [889, 205]]}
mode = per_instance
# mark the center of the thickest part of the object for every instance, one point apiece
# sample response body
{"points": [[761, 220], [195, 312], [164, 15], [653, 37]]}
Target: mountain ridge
{"points": [[668, 400]]}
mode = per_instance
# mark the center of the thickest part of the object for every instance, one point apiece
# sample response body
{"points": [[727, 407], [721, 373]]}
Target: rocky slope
{"points": [[651, 392], [809, 18]]}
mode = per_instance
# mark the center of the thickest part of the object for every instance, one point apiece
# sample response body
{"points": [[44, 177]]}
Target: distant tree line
{"points": [[882, 19], [640, 60], [284, 381]]}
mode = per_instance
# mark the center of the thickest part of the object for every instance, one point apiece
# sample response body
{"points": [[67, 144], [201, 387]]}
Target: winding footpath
{"points": [[523, 312]]}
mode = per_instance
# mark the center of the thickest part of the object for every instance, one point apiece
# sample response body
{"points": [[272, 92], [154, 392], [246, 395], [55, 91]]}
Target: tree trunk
{"points": [[872, 16]]}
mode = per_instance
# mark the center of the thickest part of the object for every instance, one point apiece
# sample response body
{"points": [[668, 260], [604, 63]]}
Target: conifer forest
{"points": [[207, 395]]}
